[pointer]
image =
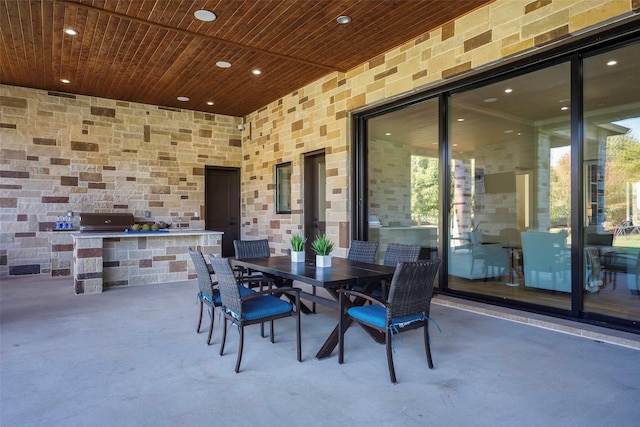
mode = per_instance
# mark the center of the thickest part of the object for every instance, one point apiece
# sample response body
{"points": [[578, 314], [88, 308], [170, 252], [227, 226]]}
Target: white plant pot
{"points": [[323, 261], [297, 256]]}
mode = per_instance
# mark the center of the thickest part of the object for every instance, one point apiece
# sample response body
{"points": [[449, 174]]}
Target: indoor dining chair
{"points": [[407, 307], [208, 292], [258, 307]]}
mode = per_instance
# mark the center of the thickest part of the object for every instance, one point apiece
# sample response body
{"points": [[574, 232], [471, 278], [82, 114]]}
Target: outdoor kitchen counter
{"points": [[107, 259], [159, 233]]}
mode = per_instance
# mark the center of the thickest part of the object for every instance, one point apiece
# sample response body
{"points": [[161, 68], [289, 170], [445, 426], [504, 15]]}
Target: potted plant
{"points": [[297, 247], [322, 246]]}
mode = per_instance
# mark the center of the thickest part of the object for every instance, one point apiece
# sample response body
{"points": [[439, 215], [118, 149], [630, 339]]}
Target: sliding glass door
{"points": [[510, 164], [527, 184], [403, 171], [612, 182]]}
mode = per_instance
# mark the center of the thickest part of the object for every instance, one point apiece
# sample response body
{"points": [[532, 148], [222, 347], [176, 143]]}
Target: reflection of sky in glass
{"points": [[558, 152], [633, 124]]}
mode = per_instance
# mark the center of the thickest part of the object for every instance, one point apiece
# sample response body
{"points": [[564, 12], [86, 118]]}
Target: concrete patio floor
{"points": [[131, 357]]}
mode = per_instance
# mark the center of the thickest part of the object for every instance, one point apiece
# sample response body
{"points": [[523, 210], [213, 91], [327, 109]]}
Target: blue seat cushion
{"points": [[377, 315], [215, 298], [211, 299], [245, 291], [265, 306]]}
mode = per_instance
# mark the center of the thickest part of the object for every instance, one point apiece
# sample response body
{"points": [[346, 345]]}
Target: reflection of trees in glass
{"points": [[560, 191], [424, 190], [622, 168]]}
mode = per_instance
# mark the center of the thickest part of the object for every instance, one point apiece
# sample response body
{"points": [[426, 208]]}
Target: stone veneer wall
{"points": [[63, 152], [317, 116], [390, 182]]}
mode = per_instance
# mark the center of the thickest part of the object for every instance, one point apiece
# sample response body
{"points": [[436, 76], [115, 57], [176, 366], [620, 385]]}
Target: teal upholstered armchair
{"points": [[547, 261]]}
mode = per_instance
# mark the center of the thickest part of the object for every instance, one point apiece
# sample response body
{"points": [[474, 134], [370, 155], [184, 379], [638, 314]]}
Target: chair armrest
{"points": [[274, 291], [249, 279], [357, 294]]}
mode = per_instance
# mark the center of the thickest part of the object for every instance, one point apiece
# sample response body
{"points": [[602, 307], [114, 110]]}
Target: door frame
{"points": [[310, 191], [238, 173]]}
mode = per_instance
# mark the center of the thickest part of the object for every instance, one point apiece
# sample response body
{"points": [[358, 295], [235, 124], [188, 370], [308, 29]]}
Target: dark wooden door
{"points": [[314, 198], [222, 204]]}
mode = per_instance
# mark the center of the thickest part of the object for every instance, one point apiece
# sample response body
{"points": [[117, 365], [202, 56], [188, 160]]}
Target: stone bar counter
{"points": [[103, 260]]}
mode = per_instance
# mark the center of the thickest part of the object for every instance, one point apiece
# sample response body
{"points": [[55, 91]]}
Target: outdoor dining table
{"points": [[342, 273]]}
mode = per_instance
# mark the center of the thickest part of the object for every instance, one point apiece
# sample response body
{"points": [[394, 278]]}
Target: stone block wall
{"points": [[317, 116], [390, 182], [63, 152]]}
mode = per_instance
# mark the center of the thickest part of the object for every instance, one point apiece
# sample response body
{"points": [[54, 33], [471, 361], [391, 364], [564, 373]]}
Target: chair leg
{"points": [[340, 332], [392, 372], [200, 318], [272, 334], [224, 335], [427, 346], [313, 304], [240, 346], [211, 326], [298, 336]]}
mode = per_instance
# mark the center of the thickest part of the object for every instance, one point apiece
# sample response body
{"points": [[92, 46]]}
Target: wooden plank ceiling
{"points": [[153, 51]]}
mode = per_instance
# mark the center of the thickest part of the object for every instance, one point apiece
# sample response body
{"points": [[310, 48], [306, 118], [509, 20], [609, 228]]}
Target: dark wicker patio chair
{"points": [[258, 307], [362, 251], [396, 253], [208, 293], [246, 249], [407, 308]]}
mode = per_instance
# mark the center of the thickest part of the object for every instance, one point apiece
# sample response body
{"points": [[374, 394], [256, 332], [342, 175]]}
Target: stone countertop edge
{"points": [[122, 234]]}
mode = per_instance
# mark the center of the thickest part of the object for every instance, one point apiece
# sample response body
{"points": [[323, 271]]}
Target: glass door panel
{"points": [[510, 189], [403, 172], [612, 182]]}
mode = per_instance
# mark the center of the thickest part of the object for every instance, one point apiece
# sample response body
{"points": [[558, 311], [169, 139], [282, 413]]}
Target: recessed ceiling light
{"points": [[65, 81], [223, 64], [455, 145], [256, 72], [209, 102], [612, 63], [388, 133], [204, 15], [344, 19], [460, 119], [508, 90], [564, 108], [71, 32], [183, 98], [490, 100], [508, 131]]}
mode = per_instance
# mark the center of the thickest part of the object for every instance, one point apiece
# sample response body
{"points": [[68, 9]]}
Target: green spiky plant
{"points": [[298, 242], [322, 245]]}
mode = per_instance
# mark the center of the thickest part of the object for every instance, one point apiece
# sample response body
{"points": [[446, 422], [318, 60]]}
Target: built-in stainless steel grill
{"points": [[105, 222]]}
